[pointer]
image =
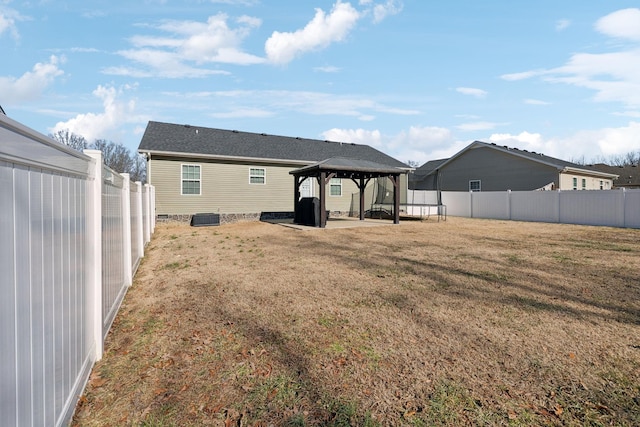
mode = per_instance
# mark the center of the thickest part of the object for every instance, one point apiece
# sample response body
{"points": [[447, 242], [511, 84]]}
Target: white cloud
{"points": [[240, 2], [623, 23], [589, 145], [614, 141], [104, 125], [320, 32], [424, 143], [354, 136], [522, 76], [382, 10], [634, 114], [418, 143], [306, 102], [243, 113], [476, 126], [530, 101], [327, 69], [478, 93], [31, 84], [186, 46], [613, 76], [562, 24], [8, 19], [8, 25]]}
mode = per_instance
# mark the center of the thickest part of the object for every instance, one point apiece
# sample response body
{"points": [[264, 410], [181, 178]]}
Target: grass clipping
{"points": [[463, 322]]}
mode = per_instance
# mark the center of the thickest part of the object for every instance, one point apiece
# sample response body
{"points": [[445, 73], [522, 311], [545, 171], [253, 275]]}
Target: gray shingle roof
{"points": [[350, 165], [431, 166], [195, 140], [628, 175]]}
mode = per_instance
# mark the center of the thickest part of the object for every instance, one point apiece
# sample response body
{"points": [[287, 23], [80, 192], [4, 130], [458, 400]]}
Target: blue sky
{"points": [[417, 79]]}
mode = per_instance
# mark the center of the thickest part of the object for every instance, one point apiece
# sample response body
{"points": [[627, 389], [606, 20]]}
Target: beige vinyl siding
{"points": [[225, 188], [592, 183]]}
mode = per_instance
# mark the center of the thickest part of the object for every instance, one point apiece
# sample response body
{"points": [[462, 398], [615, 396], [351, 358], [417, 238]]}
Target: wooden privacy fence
{"points": [[614, 208], [72, 233]]}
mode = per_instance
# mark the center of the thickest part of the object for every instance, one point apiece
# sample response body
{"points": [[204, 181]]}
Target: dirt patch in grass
{"points": [[463, 322]]}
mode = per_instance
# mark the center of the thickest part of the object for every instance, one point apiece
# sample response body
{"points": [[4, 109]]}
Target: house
{"points": [[628, 175], [243, 175], [490, 167]]}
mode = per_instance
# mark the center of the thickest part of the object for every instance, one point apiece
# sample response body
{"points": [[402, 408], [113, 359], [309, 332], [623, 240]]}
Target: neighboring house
{"points": [[489, 167], [203, 170], [628, 175]]}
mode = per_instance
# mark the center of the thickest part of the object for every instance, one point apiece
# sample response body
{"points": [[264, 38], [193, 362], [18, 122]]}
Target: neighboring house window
{"points": [[575, 183], [584, 184], [335, 188], [475, 185], [191, 179], [601, 185], [257, 176]]}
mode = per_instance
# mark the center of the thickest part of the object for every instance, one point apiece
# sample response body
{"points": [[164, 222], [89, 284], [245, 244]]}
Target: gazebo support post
{"points": [[323, 197], [296, 196], [396, 198], [362, 185]]}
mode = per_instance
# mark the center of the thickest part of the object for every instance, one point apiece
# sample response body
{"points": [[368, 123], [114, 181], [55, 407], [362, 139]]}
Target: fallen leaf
{"points": [[409, 414], [558, 410], [572, 355], [272, 394], [512, 415], [97, 381]]}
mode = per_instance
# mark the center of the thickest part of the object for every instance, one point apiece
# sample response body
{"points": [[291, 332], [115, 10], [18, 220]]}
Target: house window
{"points": [[190, 179], [475, 185], [601, 185], [575, 183], [584, 184], [335, 187], [257, 176]]}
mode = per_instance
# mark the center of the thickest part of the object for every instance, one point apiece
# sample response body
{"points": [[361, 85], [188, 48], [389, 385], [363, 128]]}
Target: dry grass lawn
{"points": [[463, 322]]}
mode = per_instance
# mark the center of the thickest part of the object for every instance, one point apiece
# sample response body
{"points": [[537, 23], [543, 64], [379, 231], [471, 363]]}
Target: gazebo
{"points": [[359, 171]]}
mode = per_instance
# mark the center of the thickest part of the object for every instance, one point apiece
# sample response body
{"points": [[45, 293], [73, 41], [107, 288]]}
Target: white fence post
{"points": [[624, 207], [140, 216], [147, 209], [126, 228], [94, 248], [152, 208]]}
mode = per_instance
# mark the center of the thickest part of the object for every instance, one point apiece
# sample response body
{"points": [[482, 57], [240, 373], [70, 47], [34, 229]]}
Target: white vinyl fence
{"points": [[614, 208], [71, 237]]}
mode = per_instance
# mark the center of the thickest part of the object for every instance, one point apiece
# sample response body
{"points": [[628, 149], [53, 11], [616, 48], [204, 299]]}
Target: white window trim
{"points": [[479, 181], [182, 179], [331, 184], [258, 176]]}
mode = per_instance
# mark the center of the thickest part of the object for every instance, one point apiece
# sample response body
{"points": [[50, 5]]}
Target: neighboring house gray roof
{"points": [[561, 165], [197, 141], [628, 175], [429, 167]]}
